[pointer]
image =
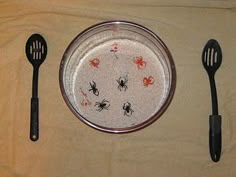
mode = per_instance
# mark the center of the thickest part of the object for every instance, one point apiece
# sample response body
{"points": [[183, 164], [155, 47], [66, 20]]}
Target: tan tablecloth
{"points": [[174, 146]]}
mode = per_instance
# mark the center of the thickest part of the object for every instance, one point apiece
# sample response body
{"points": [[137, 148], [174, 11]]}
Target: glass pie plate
{"points": [[117, 76]]}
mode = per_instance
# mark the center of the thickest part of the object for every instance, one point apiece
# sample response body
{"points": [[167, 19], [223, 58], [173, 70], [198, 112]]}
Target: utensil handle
{"points": [[214, 99], [35, 82], [215, 137], [34, 119], [34, 111]]}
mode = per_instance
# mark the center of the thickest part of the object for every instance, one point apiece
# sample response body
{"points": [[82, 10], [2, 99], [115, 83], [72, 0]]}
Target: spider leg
{"points": [[96, 92], [125, 87], [94, 84], [124, 106], [131, 111], [90, 84], [99, 109], [105, 101]]}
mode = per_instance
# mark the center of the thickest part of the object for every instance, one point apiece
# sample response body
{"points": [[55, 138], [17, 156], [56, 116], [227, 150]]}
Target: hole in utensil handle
{"points": [[34, 119]]}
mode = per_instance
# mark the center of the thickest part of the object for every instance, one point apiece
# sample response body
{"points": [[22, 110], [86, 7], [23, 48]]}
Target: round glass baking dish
{"points": [[117, 76]]}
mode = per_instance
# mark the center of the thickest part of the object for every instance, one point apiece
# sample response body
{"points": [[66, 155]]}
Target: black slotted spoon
{"points": [[211, 60], [36, 52]]}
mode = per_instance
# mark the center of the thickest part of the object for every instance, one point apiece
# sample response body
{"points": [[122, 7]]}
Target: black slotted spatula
{"points": [[36, 52], [211, 60]]}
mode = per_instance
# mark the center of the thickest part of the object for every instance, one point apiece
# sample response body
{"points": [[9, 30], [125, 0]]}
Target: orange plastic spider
{"points": [[148, 81], [140, 62], [95, 62]]}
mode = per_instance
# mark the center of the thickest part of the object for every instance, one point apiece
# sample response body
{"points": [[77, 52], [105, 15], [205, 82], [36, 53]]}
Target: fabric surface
{"points": [[176, 145]]}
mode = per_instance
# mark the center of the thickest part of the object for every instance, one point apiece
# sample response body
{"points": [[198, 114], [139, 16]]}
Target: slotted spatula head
{"points": [[36, 49], [211, 56]]}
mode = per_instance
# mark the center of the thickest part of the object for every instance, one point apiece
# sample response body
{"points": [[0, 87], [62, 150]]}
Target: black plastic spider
{"points": [[122, 81], [102, 105], [94, 88], [127, 109]]}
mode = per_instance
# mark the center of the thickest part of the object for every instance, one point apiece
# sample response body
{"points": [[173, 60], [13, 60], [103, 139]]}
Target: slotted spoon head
{"points": [[211, 56], [36, 49]]}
